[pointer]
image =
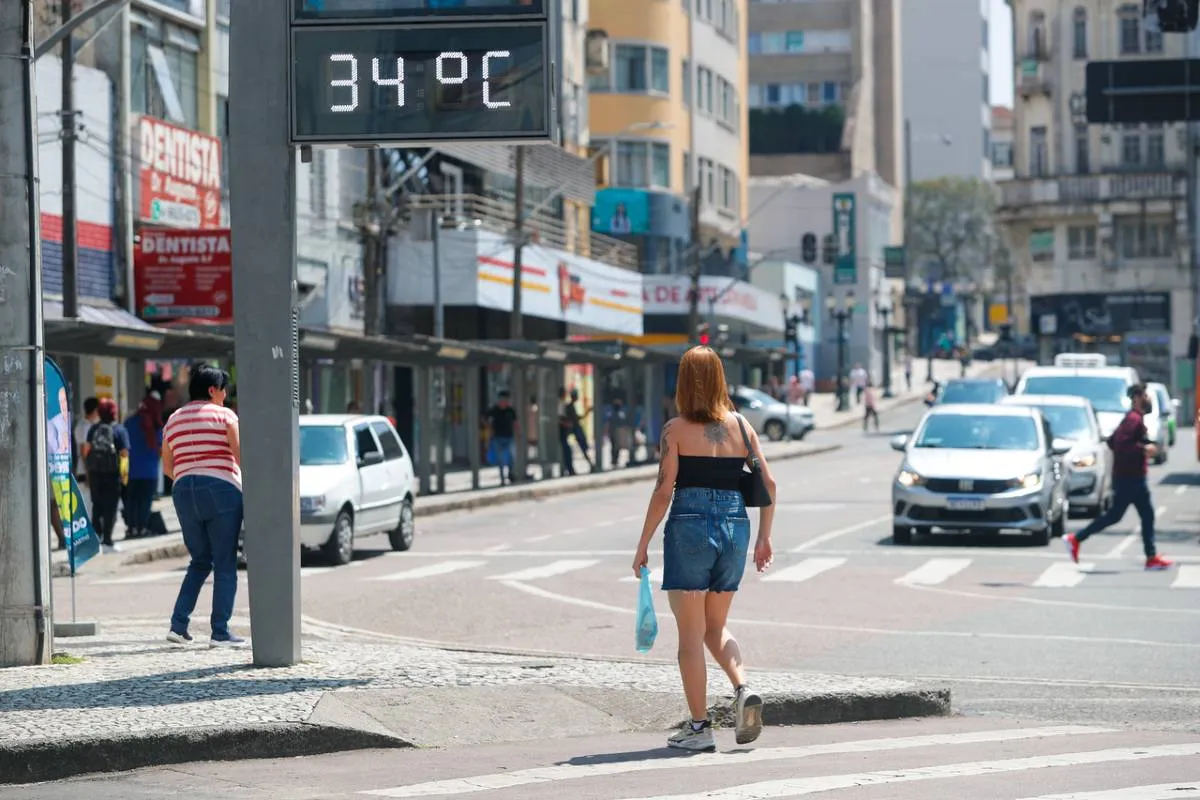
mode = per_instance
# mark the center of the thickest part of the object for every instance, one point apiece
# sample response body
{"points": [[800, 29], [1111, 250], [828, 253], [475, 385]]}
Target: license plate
{"points": [[965, 504]]}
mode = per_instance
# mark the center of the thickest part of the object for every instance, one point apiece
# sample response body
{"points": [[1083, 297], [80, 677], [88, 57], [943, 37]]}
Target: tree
{"points": [[951, 229]]}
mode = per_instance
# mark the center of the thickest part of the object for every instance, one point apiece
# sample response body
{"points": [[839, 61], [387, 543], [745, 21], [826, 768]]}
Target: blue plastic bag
{"points": [[647, 621]]}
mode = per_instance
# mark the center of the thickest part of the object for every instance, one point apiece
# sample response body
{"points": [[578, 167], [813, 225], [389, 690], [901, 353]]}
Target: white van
{"points": [[1085, 375]]}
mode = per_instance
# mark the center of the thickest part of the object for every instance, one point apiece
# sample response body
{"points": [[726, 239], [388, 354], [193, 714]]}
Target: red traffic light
{"points": [[704, 339]]}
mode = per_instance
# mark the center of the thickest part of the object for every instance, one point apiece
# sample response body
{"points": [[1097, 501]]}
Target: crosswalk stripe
{"points": [[935, 571], [799, 787], [1188, 577], [547, 570], [808, 568], [430, 570], [565, 772], [1174, 791], [655, 576], [1063, 576]]}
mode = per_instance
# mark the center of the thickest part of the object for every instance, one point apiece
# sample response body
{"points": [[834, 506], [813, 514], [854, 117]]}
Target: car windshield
{"points": [[1164, 400], [1068, 422], [322, 445], [1106, 394], [979, 432], [969, 392]]}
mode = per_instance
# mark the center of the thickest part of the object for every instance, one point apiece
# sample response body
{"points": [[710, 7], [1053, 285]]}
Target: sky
{"points": [[1000, 47]]}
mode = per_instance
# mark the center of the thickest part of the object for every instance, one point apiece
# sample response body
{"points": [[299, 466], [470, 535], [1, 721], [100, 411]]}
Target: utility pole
{"points": [[517, 331], [694, 271], [70, 221], [439, 331], [370, 228], [24, 496]]}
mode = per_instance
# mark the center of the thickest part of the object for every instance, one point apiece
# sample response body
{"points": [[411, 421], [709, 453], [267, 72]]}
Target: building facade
{"points": [[1003, 134], [1096, 215], [825, 89], [947, 88]]}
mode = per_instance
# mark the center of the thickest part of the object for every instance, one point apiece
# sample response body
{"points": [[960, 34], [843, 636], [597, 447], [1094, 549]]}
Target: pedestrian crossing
{"points": [[992, 763], [931, 573]]}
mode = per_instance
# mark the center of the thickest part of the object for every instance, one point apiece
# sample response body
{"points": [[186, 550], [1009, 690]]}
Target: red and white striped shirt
{"points": [[198, 435]]}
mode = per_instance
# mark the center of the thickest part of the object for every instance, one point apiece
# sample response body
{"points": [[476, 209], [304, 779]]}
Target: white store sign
{"points": [[670, 295], [560, 286]]}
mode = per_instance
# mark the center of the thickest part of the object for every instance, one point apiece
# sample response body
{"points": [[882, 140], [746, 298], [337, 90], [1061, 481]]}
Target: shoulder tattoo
{"points": [[715, 433]]}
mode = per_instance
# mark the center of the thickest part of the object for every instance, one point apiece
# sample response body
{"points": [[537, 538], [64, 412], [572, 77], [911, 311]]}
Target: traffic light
{"points": [[808, 248], [1174, 16], [722, 335], [790, 331], [702, 334]]}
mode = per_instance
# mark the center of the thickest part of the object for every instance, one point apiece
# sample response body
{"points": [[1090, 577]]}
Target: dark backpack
{"points": [[103, 458]]}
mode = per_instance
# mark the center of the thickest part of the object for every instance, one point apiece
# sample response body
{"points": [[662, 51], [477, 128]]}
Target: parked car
{"points": [[972, 390], [1085, 375], [356, 479], [770, 417], [1089, 478], [1168, 410], [1156, 419], [980, 468]]}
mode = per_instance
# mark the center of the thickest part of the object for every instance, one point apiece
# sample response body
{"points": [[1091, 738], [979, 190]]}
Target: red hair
{"points": [[701, 393]]}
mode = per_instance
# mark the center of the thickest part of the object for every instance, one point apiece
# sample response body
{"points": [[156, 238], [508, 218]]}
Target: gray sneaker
{"points": [[698, 741], [747, 707]]}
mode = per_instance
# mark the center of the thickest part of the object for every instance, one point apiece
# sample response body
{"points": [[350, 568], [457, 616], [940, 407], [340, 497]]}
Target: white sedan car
{"points": [[356, 478], [771, 417]]}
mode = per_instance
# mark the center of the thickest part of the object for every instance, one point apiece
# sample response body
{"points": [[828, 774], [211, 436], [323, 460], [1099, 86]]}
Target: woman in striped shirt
{"points": [[202, 454]]}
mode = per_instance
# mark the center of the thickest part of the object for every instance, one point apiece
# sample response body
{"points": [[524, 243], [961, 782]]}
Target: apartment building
{"points": [[667, 105], [825, 89], [1096, 215], [947, 88]]}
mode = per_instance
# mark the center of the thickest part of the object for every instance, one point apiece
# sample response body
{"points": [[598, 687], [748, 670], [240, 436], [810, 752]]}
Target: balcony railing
{"points": [[1092, 188], [497, 215], [1033, 78]]}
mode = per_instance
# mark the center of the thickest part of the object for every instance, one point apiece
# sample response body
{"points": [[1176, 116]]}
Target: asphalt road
{"points": [[1111, 645]]}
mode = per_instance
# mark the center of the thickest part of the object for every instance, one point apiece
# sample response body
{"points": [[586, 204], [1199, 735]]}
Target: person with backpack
{"points": [[104, 454]]}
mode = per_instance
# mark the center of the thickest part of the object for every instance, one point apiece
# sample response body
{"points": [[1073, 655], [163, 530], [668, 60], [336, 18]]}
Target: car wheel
{"points": [[774, 430], [1059, 528], [339, 549], [1042, 537], [901, 534], [402, 537]]}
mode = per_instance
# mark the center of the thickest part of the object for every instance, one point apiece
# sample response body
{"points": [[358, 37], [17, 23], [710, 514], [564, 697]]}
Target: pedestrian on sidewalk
{"points": [[106, 446], [502, 422], [619, 430], [533, 428], [870, 406], [91, 415], [1131, 449], [706, 538], [145, 457], [808, 381], [576, 420], [565, 429], [202, 454], [908, 365], [858, 381]]}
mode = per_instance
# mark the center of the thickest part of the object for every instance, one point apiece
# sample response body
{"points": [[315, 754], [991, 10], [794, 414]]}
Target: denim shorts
{"points": [[705, 542]]}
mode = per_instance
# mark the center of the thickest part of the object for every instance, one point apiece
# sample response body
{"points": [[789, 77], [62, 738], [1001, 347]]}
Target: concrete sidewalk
{"points": [[134, 701]]}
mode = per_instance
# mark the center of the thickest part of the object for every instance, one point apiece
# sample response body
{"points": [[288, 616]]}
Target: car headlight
{"points": [[908, 479], [1031, 481], [312, 503], [1085, 461]]}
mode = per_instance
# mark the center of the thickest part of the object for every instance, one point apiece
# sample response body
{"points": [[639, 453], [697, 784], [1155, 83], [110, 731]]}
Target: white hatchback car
{"points": [[356, 478]]}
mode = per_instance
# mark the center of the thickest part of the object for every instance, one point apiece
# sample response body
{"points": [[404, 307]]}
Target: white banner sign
{"points": [[670, 295]]}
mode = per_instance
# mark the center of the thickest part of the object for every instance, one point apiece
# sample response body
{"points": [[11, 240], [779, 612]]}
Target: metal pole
{"points": [[70, 221], [471, 389], [439, 311], [443, 374], [424, 426], [842, 398], [694, 271], [517, 329], [598, 381], [886, 313], [263, 195], [125, 153], [24, 499]]}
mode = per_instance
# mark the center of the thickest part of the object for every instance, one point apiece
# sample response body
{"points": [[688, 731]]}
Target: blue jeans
{"points": [[210, 513], [502, 453], [705, 541], [140, 498], [1127, 492]]}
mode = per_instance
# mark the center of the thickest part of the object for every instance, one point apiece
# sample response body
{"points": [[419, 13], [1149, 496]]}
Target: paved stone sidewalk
{"points": [[134, 688]]}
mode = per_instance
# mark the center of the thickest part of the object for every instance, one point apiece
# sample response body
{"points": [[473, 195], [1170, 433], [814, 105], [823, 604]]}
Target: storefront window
{"points": [[163, 62]]}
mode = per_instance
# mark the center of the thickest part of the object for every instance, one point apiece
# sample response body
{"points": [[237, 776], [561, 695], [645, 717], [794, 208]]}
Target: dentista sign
{"points": [[179, 176]]}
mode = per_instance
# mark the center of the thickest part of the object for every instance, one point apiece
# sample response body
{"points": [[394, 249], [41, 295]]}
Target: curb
{"points": [[536, 491], [56, 759]]}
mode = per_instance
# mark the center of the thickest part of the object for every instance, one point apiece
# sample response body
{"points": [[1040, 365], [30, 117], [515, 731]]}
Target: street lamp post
{"points": [[884, 308], [841, 316], [791, 328]]}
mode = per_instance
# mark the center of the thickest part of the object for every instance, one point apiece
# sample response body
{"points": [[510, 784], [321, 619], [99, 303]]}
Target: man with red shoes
{"points": [[1130, 449]]}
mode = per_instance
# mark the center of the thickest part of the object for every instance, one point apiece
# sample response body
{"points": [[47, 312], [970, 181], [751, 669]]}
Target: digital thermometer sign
{"points": [[420, 83], [392, 10]]}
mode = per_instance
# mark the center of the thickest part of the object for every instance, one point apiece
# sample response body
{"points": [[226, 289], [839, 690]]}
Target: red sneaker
{"points": [[1157, 563], [1072, 545]]}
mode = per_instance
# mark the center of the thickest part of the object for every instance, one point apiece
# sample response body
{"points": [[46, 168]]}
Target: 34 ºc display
{"points": [[435, 82], [317, 10]]}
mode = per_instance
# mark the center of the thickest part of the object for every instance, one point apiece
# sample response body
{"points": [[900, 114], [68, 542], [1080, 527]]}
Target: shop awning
{"points": [[84, 337], [737, 353], [625, 352], [559, 352]]}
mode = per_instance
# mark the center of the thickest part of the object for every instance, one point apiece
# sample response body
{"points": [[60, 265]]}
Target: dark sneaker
{"points": [[747, 707], [228, 640], [693, 739], [1158, 563], [182, 639], [1072, 545]]}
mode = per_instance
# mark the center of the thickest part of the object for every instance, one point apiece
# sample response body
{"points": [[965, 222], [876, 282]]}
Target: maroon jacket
{"points": [[1128, 443]]}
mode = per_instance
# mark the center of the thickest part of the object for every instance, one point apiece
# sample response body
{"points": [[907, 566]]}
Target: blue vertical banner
{"points": [[845, 232], [82, 542]]}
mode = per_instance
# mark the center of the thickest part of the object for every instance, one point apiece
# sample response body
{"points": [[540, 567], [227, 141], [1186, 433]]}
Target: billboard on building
{"points": [[733, 299], [179, 176], [621, 212], [181, 273], [845, 232]]}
